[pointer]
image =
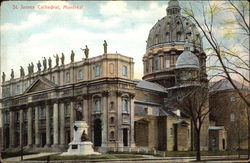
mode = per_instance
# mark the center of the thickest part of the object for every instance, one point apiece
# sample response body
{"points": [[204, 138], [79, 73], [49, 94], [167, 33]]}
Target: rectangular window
{"points": [[97, 71], [232, 117], [16, 117], [17, 89], [7, 117], [124, 70], [25, 115], [167, 63], [42, 113], [80, 74], [66, 110], [67, 77]]}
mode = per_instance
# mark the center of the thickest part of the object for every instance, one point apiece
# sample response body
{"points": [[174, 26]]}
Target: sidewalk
{"points": [[18, 159], [146, 159]]}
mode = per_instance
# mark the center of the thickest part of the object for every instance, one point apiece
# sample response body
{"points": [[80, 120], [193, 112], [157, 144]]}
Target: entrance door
{"points": [[43, 139], [97, 132], [125, 137]]}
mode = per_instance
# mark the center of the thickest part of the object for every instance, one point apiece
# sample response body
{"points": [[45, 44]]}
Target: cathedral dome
{"points": [[173, 28], [187, 59]]}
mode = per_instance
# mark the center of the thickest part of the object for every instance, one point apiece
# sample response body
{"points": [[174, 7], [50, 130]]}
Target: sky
{"points": [[29, 33]]}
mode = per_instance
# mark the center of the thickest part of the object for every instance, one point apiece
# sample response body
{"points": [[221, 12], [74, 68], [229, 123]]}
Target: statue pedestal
{"points": [[78, 147]]}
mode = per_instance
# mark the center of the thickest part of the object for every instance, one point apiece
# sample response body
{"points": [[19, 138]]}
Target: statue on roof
{"points": [[86, 51], [12, 74], [105, 46], [44, 63], [57, 60], [62, 59], [50, 63], [29, 69], [72, 56], [39, 66], [22, 71], [32, 67], [3, 77]]}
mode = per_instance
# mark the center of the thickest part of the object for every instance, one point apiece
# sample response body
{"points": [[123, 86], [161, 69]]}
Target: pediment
{"points": [[40, 84]]}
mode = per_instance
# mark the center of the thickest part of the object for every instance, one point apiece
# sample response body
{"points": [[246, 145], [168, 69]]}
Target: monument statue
{"points": [[44, 63], [39, 66], [84, 136], [105, 45], [32, 67], [50, 63], [3, 77], [78, 110], [72, 56], [12, 74], [86, 51], [57, 60], [62, 59]]}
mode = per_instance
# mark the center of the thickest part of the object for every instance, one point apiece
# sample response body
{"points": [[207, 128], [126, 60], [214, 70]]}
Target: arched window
{"points": [[67, 78], [80, 74], [112, 135], [124, 105], [98, 105], [112, 120]]}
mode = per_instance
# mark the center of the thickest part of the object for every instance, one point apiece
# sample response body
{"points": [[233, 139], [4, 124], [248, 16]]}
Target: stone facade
{"points": [[39, 109]]}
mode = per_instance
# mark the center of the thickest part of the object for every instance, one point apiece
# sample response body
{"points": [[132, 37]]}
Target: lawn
{"points": [[88, 157]]}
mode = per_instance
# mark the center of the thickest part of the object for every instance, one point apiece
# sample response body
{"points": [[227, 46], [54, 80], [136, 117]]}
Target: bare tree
{"points": [[230, 62], [193, 103]]}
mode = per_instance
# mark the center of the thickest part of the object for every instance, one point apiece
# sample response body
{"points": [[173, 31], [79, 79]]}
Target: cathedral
{"points": [[39, 108]]}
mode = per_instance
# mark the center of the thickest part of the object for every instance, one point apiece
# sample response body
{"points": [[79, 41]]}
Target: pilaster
{"points": [[12, 130], [55, 124], [47, 109], [21, 127], [105, 118], [37, 134], [62, 125], [29, 126]]}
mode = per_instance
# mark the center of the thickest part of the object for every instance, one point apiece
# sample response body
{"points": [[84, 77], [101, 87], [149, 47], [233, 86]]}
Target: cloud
{"points": [[113, 8], [32, 20]]}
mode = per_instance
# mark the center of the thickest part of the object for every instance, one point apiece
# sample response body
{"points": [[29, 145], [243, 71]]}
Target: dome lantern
{"points": [[173, 8]]}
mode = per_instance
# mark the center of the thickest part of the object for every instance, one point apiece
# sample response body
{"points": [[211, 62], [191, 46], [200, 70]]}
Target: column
{"points": [[119, 120], [62, 125], [37, 134], [85, 108], [1, 131], [21, 127], [55, 124], [72, 119], [47, 125], [104, 118], [29, 126], [12, 131], [132, 107]]}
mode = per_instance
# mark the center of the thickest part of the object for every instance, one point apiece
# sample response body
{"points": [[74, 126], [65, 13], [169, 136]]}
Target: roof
{"points": [[149, 86], [216, 127], [187, 59], [225, 84], [165, 29]]}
